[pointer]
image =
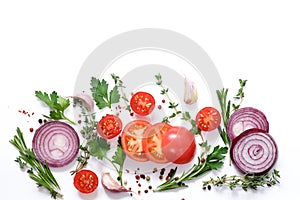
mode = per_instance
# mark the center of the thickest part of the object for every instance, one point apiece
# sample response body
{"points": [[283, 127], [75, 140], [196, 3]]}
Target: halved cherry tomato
{"points": [[208, 119], [152, 142], [142, 103], [178, 145], [109, 126], [85, 181], [132, 140]]}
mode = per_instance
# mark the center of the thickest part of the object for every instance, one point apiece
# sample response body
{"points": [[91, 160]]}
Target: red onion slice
{"points": [[254, 151], [55, 143], [244, 119], [86, 99]]}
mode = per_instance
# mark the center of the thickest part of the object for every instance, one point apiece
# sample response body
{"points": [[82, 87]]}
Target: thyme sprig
{"points": [[119, 83], [82, 160], [246, 181], [172, 105], [38, 171]]}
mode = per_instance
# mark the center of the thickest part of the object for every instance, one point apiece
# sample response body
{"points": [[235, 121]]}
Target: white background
{"points": [[43, 45]]}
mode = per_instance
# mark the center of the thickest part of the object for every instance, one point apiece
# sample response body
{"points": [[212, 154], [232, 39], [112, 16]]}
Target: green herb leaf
{"points": [[114, 95], [99, 147], [100, 92], [119, 156], [57, 105]]}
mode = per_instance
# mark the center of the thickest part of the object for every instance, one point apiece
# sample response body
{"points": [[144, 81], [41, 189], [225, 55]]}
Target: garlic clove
{"points": [[190, 91]]}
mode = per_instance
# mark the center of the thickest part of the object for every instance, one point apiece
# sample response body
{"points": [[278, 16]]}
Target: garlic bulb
{"points": [[190, 91]]}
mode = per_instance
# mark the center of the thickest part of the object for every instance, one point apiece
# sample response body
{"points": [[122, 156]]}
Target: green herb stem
{"points": [[37, 171]]}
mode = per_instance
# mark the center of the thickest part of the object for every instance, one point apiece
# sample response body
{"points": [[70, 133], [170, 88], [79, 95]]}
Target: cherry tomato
{"points": [[152, 142], [142, 103], [85, 181], [109, 126], [132, 140], [208, 119], [178, 145]]}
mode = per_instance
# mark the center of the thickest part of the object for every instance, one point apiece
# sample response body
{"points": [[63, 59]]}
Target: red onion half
{"points": [[55, 143], [254, 151], [244, 119]]}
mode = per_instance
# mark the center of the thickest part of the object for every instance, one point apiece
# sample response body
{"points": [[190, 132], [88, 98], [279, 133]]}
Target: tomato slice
{"points": [[152, 142], [132, 140], [178, 145], [208, 119], [85, 181], [142, 103], [109, 126]]}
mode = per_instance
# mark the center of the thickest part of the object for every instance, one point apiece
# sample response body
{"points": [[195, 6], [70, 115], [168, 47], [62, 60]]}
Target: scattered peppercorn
{"points": [[31, 130], [147, 178], [143, 176], [146, 191], [163, 101], [40, 121], [209, 187]]}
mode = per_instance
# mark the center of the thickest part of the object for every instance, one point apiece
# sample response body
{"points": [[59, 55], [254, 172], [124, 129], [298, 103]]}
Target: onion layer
{"points": [[254, 151], [244, 119], [55, 143]]}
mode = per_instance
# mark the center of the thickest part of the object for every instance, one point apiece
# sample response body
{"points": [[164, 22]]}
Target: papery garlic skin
{"points": [[190, 91]]}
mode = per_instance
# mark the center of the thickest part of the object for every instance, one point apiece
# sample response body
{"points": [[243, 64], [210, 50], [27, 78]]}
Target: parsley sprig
{"points": [[57, 105], [37, 171], [99, 148], [96, 146], [213, 161], [101, 95], [247, 181]]}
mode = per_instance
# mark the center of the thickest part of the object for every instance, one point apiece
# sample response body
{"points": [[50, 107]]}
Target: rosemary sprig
{"points": [[37, 171], [213, 161], [245, 182], [227, 107]]}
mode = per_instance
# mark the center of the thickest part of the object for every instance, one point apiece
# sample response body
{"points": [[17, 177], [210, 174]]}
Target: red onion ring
{"points": [[55, 143], [254, 151], [244, 119]]}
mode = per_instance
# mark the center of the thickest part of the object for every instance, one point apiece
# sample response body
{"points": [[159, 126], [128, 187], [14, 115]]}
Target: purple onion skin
{"points": [[245, 134], [35, 145], [245, 114]]}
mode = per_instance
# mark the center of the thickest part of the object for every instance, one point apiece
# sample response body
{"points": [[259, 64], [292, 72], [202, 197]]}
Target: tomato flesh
{"points": [[132, 140], [85, 181], [142, 103], [178, 145], [152, 142], [208, 119], [109, 126]]}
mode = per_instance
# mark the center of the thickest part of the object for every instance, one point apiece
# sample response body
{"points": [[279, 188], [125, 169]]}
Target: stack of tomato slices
{"points": [[160, 142]]}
